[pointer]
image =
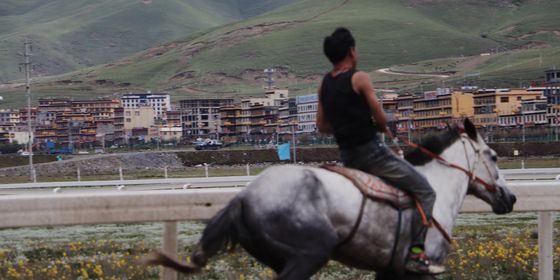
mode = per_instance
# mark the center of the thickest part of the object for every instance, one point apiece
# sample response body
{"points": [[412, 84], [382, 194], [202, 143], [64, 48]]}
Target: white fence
{"points": [[510, 174], [199, 204]]}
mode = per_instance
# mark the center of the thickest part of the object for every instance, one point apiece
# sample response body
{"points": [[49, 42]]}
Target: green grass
{"points": [[213, 171], [84, 247], [530, 163], [15, 160], [415, 36], [72, 34]]}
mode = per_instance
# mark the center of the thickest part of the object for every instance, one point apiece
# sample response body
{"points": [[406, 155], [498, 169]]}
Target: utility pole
{"points": [[28, 67]]}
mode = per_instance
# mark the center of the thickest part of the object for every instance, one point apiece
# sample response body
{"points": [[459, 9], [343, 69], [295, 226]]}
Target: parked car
{"points": [[23, 153], [208, 144]]}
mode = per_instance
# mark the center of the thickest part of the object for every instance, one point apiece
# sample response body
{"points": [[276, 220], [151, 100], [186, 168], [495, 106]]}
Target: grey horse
{"points": [[294, 219]]}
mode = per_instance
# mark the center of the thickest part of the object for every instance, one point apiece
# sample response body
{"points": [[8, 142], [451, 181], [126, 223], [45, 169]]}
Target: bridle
{"points": [[470, 172]]}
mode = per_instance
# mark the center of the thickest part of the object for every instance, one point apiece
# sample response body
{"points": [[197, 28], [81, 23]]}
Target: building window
{"points": [[128, 120], [504, 99]]}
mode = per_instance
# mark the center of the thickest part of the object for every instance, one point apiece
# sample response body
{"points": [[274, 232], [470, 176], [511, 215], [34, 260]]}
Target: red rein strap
{"points": [[489, 187]]}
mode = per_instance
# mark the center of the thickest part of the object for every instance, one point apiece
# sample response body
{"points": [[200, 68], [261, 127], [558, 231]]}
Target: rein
{"points": [[470, 173]]}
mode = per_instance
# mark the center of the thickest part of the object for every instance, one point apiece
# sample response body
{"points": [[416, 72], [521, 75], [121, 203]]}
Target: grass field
{"points": [[218, 171], [422, 37], [188, 172], [494, 247], [72, 34]]}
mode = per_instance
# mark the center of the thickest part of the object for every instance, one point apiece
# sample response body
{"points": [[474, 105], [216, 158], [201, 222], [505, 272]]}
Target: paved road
{"points": [[388, 71]]}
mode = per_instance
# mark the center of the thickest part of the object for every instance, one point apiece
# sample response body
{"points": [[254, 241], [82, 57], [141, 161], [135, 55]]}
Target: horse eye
{"points": [[494, 158]]}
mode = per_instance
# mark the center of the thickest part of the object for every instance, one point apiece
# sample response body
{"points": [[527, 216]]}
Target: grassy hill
{"points": [[72, 34], [228, 60]]}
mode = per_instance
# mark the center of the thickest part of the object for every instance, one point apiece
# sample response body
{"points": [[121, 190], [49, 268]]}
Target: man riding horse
{"points": [[349, 109]]}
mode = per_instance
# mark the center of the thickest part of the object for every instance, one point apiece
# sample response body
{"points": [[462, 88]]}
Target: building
{"points": [[140, 117], [307, 113], [405, 112], [201, 117], [229, 118], [159, 102], [287, 116], [99, 109], [51, 108], [491, 103], [5, 116], [434, 110], [532, 112], [170, 134]]}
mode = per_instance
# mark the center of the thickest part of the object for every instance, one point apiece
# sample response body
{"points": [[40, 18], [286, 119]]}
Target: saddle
{"points": [[373, 187]]}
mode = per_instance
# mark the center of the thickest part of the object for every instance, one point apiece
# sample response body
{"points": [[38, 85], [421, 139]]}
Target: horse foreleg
{"points": [[302, 268], [391, 275]]}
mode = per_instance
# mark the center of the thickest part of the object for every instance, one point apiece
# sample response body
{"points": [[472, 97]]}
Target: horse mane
{"points": [[434, 142]]}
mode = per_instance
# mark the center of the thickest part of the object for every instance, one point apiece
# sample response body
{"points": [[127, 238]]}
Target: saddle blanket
{"points": [[373, 187]]}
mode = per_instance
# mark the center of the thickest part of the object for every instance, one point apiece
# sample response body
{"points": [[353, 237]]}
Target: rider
{"points": [[349, 109]]}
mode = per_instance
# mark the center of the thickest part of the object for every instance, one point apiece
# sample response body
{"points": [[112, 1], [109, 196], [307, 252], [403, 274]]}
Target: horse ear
{"points": [[470, 129]]}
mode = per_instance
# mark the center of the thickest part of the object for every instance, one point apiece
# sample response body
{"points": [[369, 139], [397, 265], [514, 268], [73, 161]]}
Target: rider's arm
{"points": [[322, 124], [363, 86]]}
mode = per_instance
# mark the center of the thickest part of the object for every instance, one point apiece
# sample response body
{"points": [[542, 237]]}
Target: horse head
{"points": [[487, 183]]}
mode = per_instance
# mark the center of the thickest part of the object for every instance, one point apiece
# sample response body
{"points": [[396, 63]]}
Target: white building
{"points": [[307, 112], [532, 112], [161, 103]]}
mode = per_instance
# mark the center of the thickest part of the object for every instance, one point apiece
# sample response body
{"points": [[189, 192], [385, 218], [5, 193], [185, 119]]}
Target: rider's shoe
{"points": [[419, 263]]}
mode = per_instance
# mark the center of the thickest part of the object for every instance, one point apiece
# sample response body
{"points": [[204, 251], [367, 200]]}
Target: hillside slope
{"points": [[389, 32], [72, 34], [228, 60]]}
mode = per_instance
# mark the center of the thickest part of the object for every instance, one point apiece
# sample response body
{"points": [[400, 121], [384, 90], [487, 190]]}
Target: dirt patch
{"points": [[536, 45], [471, 63]]}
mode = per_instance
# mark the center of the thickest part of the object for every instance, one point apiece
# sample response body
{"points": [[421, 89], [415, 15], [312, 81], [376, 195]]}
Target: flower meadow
{"points": [[478, 252]]}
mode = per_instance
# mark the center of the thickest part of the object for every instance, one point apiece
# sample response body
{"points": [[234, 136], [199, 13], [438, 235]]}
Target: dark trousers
{"points": [[375, 158]]}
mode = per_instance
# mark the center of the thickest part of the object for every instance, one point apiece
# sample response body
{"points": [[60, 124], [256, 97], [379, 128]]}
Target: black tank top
{"points": [[347, 112]]}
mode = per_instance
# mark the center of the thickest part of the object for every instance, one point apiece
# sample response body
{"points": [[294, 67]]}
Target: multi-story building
{"points": [[229, 118], [287, 116], [434, 110], [552, 93], [23, 116], [201, 117], [99, 109], [173, 119], [5, 116], [139, 117], [171, 134], [118, 126], [159, 102], [491, 103], [532, 112], [405, 112], [51, 108], [307, 113]]}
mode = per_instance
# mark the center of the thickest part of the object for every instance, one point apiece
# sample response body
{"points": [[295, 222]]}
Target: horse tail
{"points": [[220, 232]]}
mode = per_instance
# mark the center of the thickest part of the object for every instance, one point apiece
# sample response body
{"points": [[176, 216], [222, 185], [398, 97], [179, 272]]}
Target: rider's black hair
{"points": [[338, 44]]}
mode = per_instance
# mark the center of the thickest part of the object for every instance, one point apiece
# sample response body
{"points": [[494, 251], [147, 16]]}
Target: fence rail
{"points": [[199, 204], [510, 174]]}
